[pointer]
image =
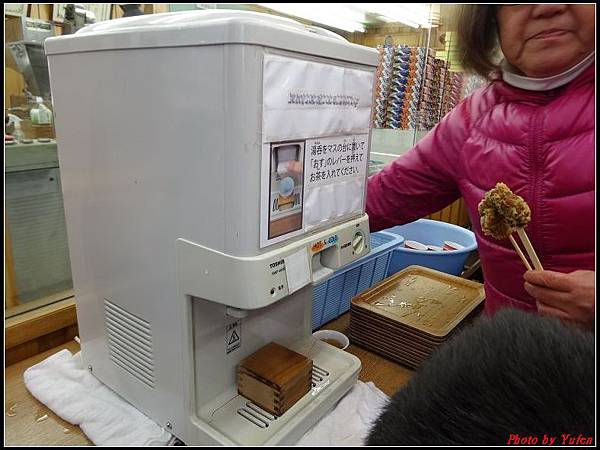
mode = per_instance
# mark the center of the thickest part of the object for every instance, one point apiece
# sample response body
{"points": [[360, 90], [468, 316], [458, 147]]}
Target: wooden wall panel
{"points": [[455, 213], [41, 11]]}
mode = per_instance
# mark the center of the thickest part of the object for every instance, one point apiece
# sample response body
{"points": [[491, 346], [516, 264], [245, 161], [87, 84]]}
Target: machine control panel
{"points": [[325, 255], [358, 242], [263, 279]]}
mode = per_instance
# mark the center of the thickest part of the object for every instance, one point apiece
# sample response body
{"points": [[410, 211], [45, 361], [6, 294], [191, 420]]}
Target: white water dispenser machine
{"points": [[214, 168]]}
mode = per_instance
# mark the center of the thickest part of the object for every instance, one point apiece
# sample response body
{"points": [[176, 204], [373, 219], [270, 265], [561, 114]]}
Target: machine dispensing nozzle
{"points": [[236, 313]]}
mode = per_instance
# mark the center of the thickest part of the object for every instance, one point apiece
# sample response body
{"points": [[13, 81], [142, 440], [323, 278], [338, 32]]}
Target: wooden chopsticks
{"points": [[528, 248]]}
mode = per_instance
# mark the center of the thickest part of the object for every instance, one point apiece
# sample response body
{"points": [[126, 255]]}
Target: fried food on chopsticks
{"points": [[502, 212]]}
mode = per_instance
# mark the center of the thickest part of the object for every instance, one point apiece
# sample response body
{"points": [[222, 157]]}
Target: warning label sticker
{"points": [[233, 336]]}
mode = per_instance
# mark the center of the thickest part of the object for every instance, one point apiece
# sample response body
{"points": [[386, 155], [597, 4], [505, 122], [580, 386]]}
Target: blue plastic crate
{"points": [[332, 297], [432, 232]]}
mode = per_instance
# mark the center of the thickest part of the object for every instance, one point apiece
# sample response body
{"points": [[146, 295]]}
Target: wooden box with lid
{"points": [[275, 378]]}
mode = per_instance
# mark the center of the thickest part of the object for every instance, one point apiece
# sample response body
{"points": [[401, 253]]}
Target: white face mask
{"points": [[510, 76]]}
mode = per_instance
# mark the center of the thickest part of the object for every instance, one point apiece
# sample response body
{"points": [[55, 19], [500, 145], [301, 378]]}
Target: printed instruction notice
{"points": [[304, 99], [334, 177], [315, 124]]}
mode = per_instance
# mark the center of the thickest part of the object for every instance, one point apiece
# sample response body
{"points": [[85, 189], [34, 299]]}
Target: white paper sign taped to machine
{"points": [[315, 144], [334, 178], [308, 99]]}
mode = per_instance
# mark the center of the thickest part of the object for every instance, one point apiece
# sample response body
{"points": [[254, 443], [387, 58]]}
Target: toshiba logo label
{"points": [[276, 264]]}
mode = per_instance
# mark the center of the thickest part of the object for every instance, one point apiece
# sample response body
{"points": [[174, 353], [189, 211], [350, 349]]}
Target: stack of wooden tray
{"points": [[275, 378], [410, 314]]}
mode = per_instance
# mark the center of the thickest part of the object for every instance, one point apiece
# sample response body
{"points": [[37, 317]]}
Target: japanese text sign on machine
{"points": [[315, 145]]}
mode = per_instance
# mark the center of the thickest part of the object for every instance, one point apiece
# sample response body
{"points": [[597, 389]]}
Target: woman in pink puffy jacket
{"points": [[533, 128]]}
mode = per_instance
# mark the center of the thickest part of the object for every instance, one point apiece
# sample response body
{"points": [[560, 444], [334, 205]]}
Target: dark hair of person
{"points": [[511, 375], [477, 32]]}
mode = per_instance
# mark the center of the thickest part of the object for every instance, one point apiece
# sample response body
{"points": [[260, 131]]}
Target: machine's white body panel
{"points": [[217, 403], [212, 28], [206, 273], [160, 143]]}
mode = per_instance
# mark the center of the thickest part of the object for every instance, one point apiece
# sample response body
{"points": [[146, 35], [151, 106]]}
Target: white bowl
{"points": [[336, 336], [414, 245]]}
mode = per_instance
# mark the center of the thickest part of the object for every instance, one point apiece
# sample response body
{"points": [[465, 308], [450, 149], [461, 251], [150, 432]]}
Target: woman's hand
{"points": [[568, 296]]}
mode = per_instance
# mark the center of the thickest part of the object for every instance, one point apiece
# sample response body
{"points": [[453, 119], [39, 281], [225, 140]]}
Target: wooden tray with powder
{"points": [[422, 299], [360, 315], [399, 356], [409, 315]]}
